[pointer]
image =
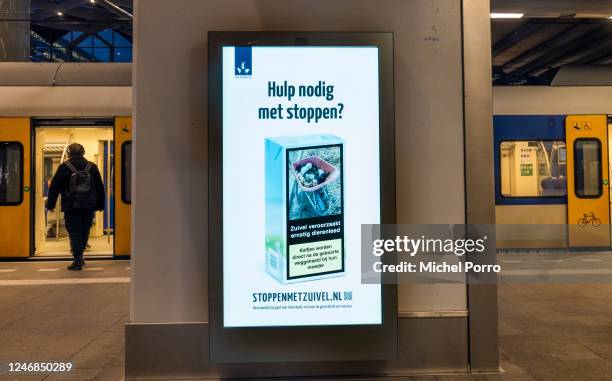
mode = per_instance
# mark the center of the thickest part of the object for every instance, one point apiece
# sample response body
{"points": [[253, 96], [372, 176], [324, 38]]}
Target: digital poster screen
{"points": [[300, 174]]}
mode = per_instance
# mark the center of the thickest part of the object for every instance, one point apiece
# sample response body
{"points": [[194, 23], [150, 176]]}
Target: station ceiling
{"points": [[52, 19], [551, 34], [526, 51]]}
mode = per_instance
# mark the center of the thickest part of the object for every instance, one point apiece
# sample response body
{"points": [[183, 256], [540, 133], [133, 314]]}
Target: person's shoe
{"points": [[80, 260], [75, 266]]}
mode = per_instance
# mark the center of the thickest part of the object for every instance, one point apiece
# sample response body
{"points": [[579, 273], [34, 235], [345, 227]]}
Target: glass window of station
{"points": [[535, 168]]}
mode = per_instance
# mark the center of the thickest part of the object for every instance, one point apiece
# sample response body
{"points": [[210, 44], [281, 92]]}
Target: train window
{"points": [[533, 168], [587, 168], [11, 173], [126, 172]]}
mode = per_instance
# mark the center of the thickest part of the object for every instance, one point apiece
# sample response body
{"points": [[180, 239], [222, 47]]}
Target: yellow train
{"points": [[552, 181], [43, 108], [30, 151]]}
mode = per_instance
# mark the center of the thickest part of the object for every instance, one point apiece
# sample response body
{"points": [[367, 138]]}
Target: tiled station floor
{"points": [[556, 331], [547, 332], [50, 314]]}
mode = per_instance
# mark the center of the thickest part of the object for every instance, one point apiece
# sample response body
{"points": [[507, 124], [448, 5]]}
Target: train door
{"points": [[123, 185], [588, 209], [610, 169], [51, 141], [14, 187]]}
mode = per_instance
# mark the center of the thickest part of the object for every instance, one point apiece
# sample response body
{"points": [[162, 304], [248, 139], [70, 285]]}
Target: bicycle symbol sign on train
{"points": [[589, 218]]}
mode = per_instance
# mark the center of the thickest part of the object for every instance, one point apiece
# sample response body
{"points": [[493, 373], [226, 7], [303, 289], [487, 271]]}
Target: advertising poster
{"points": [[301, 173]]}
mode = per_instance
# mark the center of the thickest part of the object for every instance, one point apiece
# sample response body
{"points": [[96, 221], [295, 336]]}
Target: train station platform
{"points": [[556, 331], [547, 332], [48, 313]]}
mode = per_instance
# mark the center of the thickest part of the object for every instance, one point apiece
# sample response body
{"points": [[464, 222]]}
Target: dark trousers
{"points": [[78, 224]]}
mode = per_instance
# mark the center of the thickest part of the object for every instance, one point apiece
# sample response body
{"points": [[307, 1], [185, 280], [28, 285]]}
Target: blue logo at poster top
{"points": [[243, 61]]}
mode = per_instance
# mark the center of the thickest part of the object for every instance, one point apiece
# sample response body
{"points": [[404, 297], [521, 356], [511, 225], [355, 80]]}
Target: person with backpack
{"points": [[80, 184]]}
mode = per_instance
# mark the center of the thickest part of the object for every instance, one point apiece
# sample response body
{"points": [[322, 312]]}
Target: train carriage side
{"points": [[43, 107], [552, 188]]}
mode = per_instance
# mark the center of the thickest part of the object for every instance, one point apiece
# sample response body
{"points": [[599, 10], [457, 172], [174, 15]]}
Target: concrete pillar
{"points": [[169, 295], [479, 179]]}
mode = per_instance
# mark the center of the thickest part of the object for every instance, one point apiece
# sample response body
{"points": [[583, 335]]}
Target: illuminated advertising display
{"points": [[300, 174]]}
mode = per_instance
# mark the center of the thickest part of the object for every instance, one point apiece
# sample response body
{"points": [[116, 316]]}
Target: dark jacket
{"points": [[61, 180]]}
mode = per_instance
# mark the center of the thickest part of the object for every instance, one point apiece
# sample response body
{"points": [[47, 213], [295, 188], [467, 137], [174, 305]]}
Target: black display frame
{"points": [[304, 343]]}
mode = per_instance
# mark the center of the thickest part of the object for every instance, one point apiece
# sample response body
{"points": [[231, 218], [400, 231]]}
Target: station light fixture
{"points": [[59, 13], [507, 15]]}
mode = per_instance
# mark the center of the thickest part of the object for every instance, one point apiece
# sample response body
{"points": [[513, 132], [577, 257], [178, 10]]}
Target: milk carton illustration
{"points": [[304, 207]]}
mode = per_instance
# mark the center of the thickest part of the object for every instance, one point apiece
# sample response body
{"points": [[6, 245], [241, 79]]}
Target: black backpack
{"points": [[81, 190]]}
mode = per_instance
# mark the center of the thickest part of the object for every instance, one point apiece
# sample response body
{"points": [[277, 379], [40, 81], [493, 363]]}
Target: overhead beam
{"points": [[565, 53], [51, 9], [81, 26], [43, 11], [508, 79], [601, 55], [583, 54], [108, 4], [126, 4], [603, 60], [518, 34], [126, 33], [104, 40], [550, 45], [74, 43], [557, 6]]}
